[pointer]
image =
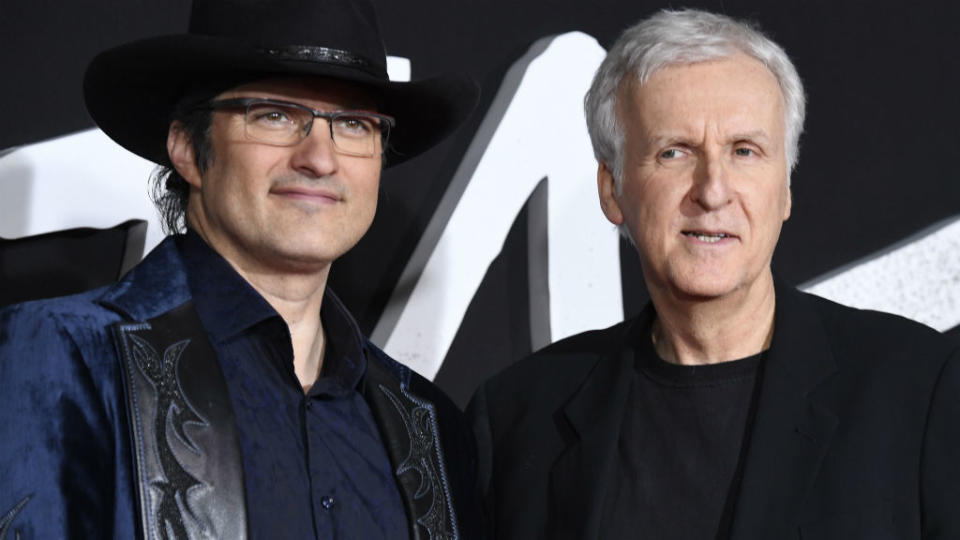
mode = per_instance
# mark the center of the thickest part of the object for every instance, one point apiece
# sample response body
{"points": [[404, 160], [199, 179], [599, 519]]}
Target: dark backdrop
{"points": [[877, 160]]}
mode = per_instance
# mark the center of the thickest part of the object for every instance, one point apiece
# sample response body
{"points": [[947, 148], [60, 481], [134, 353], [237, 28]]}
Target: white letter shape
{"points": [[541, 133]]}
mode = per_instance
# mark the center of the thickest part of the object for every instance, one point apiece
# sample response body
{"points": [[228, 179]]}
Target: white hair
{"points": [[684, 37]]}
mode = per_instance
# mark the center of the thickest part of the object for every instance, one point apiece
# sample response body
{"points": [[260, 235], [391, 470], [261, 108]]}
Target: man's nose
{"points": [[711, 182], [315, 155]]}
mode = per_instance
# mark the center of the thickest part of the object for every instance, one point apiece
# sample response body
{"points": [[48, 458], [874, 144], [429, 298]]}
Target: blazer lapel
{"points": [[410, 430], [578, 477], [792, 430]]}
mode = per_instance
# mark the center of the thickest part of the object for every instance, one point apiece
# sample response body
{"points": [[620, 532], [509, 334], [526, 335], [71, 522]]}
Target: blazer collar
{"points": [[155, 286], [594, 415], [792, 428]]}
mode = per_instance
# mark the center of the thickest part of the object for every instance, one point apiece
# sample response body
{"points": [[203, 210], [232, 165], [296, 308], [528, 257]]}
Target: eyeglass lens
{"points": [[353, 133]]}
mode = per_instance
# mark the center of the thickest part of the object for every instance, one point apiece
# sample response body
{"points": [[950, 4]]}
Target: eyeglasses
{"points": [[281, 123]]}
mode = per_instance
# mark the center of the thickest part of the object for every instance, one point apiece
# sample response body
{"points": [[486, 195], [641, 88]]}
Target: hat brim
{"points": [[131, 90]]}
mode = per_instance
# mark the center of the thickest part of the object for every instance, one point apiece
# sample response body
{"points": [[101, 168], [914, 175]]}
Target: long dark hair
{"points": [[169, 191]]}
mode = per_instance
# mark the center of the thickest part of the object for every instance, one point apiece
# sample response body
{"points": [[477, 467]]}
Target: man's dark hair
{"points": [[168, 190]]}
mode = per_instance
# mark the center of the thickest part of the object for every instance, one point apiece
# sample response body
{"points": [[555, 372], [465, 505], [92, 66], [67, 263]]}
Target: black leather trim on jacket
{"points": [[411, 434], [189, 469]]}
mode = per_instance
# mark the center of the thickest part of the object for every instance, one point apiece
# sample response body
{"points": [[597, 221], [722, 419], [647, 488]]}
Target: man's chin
{"points": [[705, 288], [299, 259]]}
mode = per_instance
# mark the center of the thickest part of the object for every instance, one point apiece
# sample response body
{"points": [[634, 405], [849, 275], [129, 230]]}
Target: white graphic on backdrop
{"points": [[541, 133], [918, 278], [80, 180]]}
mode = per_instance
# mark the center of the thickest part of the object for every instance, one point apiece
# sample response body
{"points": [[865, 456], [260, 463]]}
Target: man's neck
{"points": [[295, 295], [297, 298], [697, 331]]}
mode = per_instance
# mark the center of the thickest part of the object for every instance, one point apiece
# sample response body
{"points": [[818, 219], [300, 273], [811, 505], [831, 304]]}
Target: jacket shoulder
{"points": [[561, 367], [64, 341], [68, 317], [417, 383], [878, 334]]}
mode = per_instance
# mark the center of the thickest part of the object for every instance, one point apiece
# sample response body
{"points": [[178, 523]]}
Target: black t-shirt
{"points": [[678, 459]]}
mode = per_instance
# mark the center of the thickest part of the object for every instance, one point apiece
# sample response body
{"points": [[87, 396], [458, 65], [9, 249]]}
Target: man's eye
{"points": [[744, 152], [671, 153], [269, 117], [355, 126]]}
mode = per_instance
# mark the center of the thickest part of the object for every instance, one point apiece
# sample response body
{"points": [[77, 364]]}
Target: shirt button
{"points": [[327, 502]]}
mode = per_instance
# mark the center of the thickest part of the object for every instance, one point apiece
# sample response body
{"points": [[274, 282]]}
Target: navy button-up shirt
{"points": [[314, 465]]}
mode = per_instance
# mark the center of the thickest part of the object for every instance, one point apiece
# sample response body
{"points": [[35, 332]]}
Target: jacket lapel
{"points": [[411, 435], [792, 429], [185, 445], [578, 478]]}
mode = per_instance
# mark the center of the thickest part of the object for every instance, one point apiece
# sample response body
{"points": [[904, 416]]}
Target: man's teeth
{"points": [[707, 237]]}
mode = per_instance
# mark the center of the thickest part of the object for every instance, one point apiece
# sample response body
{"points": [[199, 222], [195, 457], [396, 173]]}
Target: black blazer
{"points": [[857, 433]]}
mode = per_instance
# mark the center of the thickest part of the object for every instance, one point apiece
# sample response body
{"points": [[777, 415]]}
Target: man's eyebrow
{"points": [[756, 135], [666, 139]]}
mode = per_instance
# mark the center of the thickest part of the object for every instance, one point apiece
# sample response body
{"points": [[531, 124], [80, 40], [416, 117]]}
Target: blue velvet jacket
{"points": [[87, 383]]}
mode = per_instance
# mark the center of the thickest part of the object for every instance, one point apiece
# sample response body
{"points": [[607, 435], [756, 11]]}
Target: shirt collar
{"points": [[228, 306], [345, 360], [226, 303]]}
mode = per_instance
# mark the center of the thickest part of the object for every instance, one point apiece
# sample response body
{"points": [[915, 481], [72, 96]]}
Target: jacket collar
{"points": [[183, 267], [155, 286]]}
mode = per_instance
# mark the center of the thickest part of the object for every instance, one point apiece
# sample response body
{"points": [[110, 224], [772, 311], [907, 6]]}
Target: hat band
{"points": [[328, 56]]}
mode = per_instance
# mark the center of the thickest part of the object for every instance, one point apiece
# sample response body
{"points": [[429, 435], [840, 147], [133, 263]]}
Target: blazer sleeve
{"points": [[56, 472], [940, 466]]}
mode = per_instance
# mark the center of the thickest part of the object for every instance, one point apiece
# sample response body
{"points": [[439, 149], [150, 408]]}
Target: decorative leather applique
{"points": [[175, 411], [6, 521], [188, 467], [426, 458]]}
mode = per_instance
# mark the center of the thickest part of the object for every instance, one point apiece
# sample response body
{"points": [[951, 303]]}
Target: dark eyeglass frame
{"points": [[386, 123]]}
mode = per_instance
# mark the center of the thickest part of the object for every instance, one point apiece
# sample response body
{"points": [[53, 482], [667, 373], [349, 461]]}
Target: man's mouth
{"points": [[708, 237], [315, 194]]}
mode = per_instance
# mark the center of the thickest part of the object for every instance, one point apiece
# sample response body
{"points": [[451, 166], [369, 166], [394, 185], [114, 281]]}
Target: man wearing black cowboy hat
{"points": [[220, 390]]}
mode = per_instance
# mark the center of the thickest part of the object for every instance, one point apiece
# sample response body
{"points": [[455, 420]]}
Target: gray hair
{"points": [[684, 37]]}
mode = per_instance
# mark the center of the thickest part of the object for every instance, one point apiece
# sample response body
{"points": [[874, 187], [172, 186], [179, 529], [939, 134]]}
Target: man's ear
{"points": [[789, 205], [608, 191], [181, 154]]}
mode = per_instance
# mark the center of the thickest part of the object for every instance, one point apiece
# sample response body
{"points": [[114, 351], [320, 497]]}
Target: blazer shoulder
{"points": [[417, 383], [58, 336], [561, 367], [881, 342], [47, 318], [886, 330]]}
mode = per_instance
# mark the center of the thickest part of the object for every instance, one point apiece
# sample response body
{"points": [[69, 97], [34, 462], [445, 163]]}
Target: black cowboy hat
{"points": [[132, 90]]}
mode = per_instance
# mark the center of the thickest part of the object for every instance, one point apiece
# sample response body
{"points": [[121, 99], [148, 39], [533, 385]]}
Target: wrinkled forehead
{"points": [[737, 86], [318, 92]]}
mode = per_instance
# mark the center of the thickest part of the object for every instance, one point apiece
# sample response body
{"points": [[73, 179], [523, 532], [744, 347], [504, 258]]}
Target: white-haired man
{"points": [[733, 406]]}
